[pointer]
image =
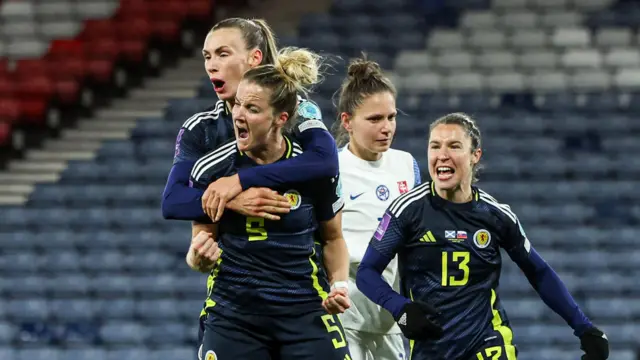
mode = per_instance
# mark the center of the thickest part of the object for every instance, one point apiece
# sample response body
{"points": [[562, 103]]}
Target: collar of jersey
{"points": [[287, 153], [360, 161], [451, 205]]}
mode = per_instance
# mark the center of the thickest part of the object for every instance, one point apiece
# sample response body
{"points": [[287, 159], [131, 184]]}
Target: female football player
{"points": [[447, 235], [267, 298], [232, 47], [372, 176]]}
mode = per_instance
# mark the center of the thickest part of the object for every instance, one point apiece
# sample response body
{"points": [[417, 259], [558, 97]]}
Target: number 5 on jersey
{"points": [[255, 229], [461, 258]]}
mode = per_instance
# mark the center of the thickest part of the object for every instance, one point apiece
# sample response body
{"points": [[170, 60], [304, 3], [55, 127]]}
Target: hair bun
{"points": [[363, 69]]}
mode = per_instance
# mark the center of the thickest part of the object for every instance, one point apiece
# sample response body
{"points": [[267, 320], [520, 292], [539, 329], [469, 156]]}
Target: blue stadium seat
{"points": [[112, 285], [168, 334], [123, 333], [29, 286], [116, 309], [63, 261], [76, 285], [46, 353], [158, 310], [28, 309], [8, 353], [7, 333], [83, 354], [73, 310], [127, 354]]}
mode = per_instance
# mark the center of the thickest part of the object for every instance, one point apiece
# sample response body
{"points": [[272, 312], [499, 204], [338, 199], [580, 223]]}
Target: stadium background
{"points": [[92, 94]]}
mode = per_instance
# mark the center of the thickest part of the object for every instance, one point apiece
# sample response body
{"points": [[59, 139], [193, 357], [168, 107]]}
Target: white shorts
{"points": [[369, 346]]}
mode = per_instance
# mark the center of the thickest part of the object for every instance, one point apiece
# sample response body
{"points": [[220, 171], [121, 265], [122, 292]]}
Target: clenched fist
{"points": [[203, 252], [337, 302]]}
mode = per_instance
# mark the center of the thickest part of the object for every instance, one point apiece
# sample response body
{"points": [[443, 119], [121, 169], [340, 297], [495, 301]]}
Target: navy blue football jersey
{"points": [[269, 267], [205, 131], [449, 257]]}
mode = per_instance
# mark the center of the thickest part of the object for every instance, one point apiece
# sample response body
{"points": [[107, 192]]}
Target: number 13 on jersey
{"points": [[459, 276]]}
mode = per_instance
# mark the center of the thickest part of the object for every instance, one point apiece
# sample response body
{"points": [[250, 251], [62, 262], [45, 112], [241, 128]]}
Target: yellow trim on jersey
{"points": [[505, 331], [287, 153], [211, 280], [411, 342], [314, 277]]}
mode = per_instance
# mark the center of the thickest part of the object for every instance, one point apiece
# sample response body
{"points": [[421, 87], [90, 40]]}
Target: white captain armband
{"points": [[340, 285], [311, 124]]}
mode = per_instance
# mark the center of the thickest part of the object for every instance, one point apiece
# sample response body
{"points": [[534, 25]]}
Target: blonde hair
{"points": [[256, 33], [295, 71], [364, 78]]}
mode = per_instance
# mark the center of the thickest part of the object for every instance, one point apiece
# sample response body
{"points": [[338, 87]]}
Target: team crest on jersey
{"points": [[382, 192], [403, 187], [309, 110], [211, 355], [482, 238], [294, 199]]}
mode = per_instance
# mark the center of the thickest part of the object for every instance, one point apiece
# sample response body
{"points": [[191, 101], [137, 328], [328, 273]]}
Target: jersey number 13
{"points": [[460, 276]]}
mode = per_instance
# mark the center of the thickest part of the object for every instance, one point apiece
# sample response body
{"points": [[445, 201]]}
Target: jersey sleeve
{"points": [[514, 240], [389, 235], [190, 143], [213, 166], [541, 275], [330, 200], [387, 240], [416, 173]]}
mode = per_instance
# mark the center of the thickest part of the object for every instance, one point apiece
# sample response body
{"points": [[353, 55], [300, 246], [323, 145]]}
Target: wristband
{"points": [[340, 285]]}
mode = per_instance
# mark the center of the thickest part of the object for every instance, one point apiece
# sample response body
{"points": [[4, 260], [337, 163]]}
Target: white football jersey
{"points": [[368, 187]]}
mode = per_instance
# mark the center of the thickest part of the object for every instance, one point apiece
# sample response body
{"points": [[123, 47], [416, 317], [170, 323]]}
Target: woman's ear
{"points": [[255, 58], [345, 120]]}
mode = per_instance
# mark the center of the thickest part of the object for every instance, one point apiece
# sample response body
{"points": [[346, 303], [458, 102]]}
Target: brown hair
{"points": [[364, 78], [294, 72], [256, 34], [471, 128]]}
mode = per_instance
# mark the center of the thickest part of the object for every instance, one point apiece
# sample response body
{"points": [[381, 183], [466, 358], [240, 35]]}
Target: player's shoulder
{"points": [[308, 109], [309, 115], [294, 146], [411, 200], [215, 163], [400, 157], [501, 210], [206, 117]]}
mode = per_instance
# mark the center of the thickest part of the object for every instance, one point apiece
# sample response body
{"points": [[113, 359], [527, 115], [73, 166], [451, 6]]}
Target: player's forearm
{"points": [[553, 292], [336, 259], [319, 160], [179, 201], [370, 282]]}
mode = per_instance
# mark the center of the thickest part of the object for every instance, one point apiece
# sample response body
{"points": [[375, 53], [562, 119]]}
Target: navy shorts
{"points": [[315, 335]]}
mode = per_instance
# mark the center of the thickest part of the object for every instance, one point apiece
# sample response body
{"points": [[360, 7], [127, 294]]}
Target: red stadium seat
{"points": [[5, 134], [173, 10], [199, 9], [9, 110], [33, 111], [133, 9], [133, 35], [32, 79], [7, 86], [67, 68]]}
